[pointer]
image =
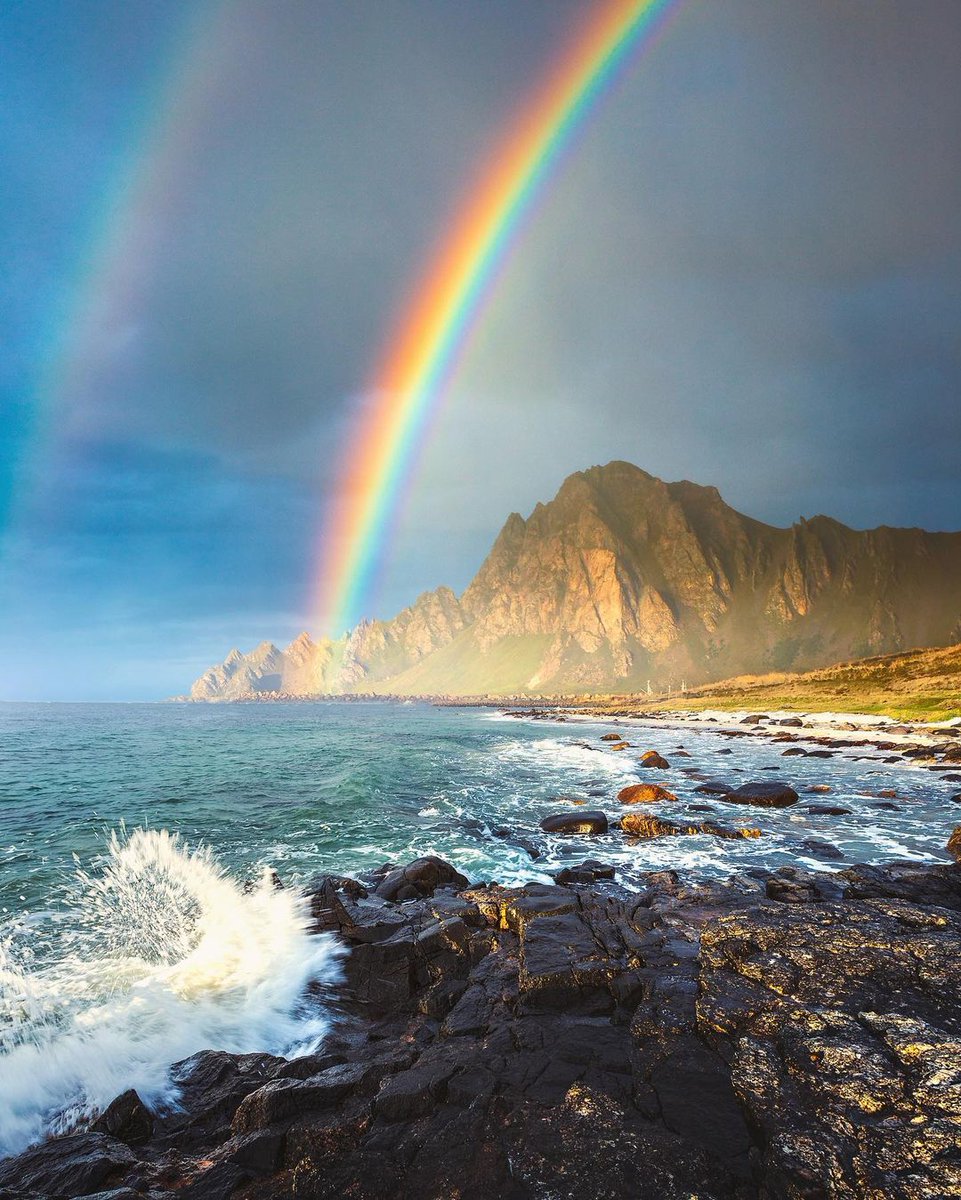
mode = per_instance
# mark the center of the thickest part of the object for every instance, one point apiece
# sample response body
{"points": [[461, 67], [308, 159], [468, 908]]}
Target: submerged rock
{"points": [[714, 787]]}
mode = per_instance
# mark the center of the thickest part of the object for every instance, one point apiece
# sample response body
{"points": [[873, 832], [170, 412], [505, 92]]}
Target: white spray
{"points": [[165, 955]]}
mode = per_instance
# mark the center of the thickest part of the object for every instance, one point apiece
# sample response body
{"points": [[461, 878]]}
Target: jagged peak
{"points": [[303, 641]]}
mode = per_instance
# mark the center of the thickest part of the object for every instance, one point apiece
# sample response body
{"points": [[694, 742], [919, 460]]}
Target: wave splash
{"points": [[162, 954]]}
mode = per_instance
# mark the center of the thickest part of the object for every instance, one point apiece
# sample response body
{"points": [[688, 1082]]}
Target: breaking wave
{"points": [[158, 955]]}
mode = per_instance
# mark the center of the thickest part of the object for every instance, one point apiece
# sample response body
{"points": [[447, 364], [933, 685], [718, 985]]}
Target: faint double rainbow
{"points": [[424, 348]]}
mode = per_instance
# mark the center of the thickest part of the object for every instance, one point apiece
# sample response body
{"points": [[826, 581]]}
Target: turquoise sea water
{"points": [[316, 787], [137, 924]]}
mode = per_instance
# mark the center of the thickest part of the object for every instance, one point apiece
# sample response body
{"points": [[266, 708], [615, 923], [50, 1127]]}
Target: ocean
{"points": [[138, 923]]}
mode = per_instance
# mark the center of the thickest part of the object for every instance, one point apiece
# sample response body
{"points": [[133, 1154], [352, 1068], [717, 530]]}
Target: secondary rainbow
{"points": [[425, 347]]}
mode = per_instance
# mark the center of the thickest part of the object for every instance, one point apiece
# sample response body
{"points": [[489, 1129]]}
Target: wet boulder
{"points": [[586, 821], [418, 879], [764, 794], [646, 825], [76, 1165], [587, 872], [644, 793], [611, 737], [126, 1118], [954, 844], [652, 759]]}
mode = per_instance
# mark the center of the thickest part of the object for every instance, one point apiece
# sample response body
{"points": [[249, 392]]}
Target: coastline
{"points": [[731, 1038], [751, 1038]]}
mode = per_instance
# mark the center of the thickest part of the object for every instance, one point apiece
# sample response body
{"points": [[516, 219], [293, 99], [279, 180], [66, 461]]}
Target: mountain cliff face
{"points": [[622, 579]]}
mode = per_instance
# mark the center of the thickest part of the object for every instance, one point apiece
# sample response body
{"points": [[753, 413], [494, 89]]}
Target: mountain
{"points": [[623, 579]]}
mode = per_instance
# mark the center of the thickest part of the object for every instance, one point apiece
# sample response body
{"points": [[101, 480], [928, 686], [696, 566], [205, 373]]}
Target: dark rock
{"points": [[714, 787], [586, 821], [126, 1118], [652, 759], [419, 878], [954, 844], [828, 810], [587, 872], [611, 737], [793, 751], [76, 1165], [820, 849], [765, 794]]}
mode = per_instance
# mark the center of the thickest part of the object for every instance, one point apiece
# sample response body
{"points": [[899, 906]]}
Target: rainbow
{"points": [[423, 352]]}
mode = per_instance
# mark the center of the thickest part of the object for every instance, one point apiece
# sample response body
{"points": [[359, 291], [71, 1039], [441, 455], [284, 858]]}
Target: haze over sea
{"points": [[120, 955]]}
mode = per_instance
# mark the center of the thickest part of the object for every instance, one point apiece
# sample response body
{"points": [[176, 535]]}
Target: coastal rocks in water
{"points": [[126, 1118], [714, 787], [764, 794], [518, 840], [419, 878], [587, 872], [821, 789], [611, 737], [644, 793], [828, 810], [646, 825], [954, 844], [817, 848], [651, 758], [784, 1035], [589, 821]]}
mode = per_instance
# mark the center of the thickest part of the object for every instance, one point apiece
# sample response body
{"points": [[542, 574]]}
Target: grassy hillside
{"points": [[920, 685]]}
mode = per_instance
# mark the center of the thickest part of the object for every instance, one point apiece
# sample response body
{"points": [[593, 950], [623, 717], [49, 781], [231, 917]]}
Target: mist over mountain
{"points": [[623, 579]]}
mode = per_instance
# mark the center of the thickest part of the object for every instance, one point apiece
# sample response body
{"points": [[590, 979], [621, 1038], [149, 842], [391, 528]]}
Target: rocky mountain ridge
{"points": [[623, 579]]}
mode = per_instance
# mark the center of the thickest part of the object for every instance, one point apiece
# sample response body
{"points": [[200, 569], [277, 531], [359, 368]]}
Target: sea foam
{"points": [[162, 954]]}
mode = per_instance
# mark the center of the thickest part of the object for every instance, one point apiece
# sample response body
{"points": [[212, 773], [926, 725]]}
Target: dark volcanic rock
{"points": [[422, 877], [785, 1035], [765, 794], [77, 1165], [587, 820], [127, 1118]]}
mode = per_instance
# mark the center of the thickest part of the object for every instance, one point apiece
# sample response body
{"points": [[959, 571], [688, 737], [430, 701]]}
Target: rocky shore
{"points": [[782, 1034]]}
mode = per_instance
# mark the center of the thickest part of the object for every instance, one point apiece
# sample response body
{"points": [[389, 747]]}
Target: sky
{"points": [[748, 274]]}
